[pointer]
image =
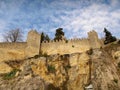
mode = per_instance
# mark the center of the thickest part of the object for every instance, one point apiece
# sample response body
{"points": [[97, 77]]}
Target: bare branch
{"points": [[15, 35]]}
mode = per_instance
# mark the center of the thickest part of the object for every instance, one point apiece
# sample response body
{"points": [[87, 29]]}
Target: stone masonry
{"points": [[33, 46]]}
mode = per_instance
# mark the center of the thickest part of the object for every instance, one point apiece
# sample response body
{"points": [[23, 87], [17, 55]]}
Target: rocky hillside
{"points": [[97, 69]]}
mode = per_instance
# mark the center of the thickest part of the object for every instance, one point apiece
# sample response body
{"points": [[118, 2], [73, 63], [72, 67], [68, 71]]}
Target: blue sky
{"points": [[76, 17]]}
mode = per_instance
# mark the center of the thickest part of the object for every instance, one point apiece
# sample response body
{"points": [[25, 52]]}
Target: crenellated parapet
{"points": [[65, 46], [71, 45], [66, 41], [16, 45], [33, 46]]}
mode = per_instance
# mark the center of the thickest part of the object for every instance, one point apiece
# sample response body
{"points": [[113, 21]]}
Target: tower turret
{"points": [[93, 39], [33, 43]]}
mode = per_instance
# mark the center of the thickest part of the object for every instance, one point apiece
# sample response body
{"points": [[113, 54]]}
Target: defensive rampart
{"points": [[65, 46], [21, 50], [33, 46], [12, 51]]}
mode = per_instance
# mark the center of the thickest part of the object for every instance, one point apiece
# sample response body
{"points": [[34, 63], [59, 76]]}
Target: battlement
{"points": [[66, 41], [17, 45], [65, 46], [33, 46], [71, 45]]}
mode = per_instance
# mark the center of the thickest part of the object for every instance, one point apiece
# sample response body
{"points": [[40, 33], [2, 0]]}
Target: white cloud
{"points": [[95, 16], [75, 17]]}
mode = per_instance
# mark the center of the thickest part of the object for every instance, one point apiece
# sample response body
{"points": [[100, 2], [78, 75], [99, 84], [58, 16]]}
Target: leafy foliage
{"points": [[11, 74], [44, 37], [59, 34], [51, 68], [108, 37]]}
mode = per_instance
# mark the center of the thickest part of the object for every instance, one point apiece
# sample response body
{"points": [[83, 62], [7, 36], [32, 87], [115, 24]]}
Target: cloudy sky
{"points": [[76, 17]]}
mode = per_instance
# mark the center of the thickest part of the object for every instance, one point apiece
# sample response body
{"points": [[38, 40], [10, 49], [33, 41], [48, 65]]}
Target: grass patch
{"points": [[51, 68], [11, 74]]}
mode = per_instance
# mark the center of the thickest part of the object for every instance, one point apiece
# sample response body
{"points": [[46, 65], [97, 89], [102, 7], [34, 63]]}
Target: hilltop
{"points": [[96, 67], [75, 64]]}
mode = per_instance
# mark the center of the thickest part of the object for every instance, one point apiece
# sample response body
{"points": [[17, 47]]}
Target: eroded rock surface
{"points": [[76, 71]]}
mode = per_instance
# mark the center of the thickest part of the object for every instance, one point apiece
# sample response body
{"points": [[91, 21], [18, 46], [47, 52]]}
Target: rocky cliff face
{"points": [[98, 68], [106, 70]]}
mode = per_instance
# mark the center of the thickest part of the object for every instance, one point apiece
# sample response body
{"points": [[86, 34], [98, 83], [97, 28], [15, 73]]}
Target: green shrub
{"points": [[51, 68], [11, 74]]}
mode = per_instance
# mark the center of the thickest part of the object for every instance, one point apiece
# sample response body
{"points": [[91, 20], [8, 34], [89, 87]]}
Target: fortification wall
{"points": [[22, 50], [94, 41], [17, 45], [12, 51], [65, 47], [33, 46]]}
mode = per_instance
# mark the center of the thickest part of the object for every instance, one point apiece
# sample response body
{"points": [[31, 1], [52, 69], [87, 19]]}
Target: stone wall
{"points": [[65, 47], [33, 46], [16, 45], [12, 51], [71, 46], [94, 41], [21, 50]]}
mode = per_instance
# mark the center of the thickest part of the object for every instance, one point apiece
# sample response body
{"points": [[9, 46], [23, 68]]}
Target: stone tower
{"points": [[33, 43], [94, 40]]}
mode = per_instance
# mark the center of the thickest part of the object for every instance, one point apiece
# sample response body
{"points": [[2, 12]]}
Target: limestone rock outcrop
{"points": [[97, 68], [4, 68]]}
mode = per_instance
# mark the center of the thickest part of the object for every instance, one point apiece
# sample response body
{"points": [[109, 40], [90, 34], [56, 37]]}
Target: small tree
{"points": [[44, 37], [59, 34], [108, 37], [47, 38], [15, 35]]}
